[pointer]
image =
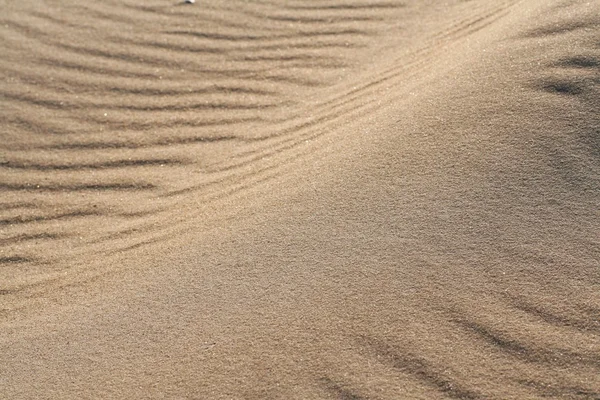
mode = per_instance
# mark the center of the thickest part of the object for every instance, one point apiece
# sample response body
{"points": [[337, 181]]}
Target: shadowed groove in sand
{"points": [[419, 368], [114, 15], [473, 24], [347, 6], [243, 48], [527, 352], [143, 228], [32, 125], [339, 391], [14, 260], [56, 20], [64, 104], [76, 187], [96, 165], [36, 127], [560, 29], [553, 390], [138, 145], [590, 311], [38, 236], [269, 38], [585, 61], [51, 217], [576, 84], [91, 69], [321, 19], [212, 89], [590, 325], [20, 205], [136, 245], [571, 88]]}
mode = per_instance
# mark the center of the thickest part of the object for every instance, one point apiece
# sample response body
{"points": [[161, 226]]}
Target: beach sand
{"points": [[316, 199]]}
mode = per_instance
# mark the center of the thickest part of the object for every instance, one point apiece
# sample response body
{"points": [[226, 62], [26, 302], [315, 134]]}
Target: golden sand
{"points": [[316, 199]]}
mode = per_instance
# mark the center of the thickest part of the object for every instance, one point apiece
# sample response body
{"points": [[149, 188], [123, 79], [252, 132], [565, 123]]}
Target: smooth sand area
{"points": [[303, 199]]}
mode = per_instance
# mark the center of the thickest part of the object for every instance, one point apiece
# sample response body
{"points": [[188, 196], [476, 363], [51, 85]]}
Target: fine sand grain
{"points": [[316, 199]]}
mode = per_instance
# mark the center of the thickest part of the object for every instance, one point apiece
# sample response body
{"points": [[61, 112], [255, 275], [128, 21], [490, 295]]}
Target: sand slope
{"points": [[322, 199]]}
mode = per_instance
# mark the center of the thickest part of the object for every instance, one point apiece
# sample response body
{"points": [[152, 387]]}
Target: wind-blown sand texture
{"points": [[361, 199]]}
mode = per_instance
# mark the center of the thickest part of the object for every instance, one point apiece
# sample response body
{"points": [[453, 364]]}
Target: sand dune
{"points": [[300, 199]]}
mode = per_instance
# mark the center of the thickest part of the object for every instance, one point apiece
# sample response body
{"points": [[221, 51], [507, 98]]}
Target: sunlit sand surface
{"points": [[317, 199]]}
